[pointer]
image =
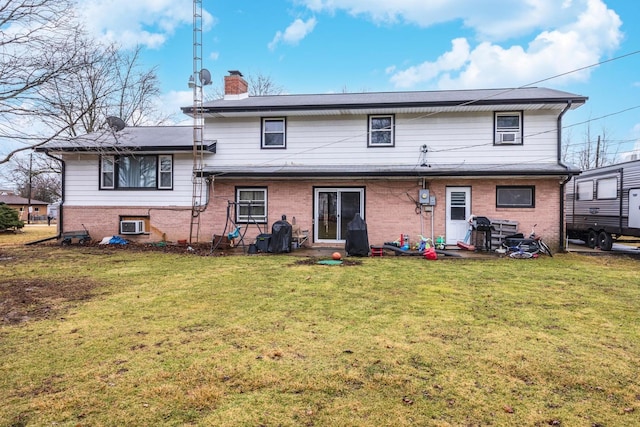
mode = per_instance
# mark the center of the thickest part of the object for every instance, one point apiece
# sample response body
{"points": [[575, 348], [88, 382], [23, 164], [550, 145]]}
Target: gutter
{"points": [[60, 207], [562, 246]]}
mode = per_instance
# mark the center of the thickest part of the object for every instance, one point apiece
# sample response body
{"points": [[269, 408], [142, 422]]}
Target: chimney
{"points": [[235, 86]]}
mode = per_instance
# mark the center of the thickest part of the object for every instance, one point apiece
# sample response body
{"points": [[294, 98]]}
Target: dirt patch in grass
{"points": [[25, 300], [317, 260]]}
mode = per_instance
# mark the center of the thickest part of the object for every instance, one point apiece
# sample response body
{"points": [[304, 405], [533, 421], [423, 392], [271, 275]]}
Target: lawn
{"points": [[96, 336]]}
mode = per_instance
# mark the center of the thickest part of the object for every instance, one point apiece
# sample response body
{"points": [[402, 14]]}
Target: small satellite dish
{"points": [[205, 77], [115, 123]]}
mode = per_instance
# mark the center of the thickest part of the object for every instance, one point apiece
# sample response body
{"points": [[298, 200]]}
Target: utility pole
{"points": [[29, 190], [598, 151]]}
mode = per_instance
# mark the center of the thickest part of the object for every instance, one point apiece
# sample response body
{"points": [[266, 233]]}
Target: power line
{"points": [[478, 100]]}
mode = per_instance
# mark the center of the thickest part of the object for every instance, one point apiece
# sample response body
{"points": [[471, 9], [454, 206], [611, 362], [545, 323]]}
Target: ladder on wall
{"points": [[198, 180]]}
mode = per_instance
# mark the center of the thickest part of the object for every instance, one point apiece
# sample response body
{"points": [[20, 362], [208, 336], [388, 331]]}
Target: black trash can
{"points": [[262, 242]]}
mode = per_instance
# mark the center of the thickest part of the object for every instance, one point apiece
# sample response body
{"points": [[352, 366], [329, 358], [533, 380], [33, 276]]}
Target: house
{"points": [[23, 205], [410, 163]]}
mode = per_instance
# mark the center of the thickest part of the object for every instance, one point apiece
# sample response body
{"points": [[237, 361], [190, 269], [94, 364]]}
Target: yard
{"points": [[93, 336]]}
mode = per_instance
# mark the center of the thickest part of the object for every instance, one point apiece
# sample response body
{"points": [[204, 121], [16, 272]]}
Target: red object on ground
{"points": [[336, 256], [467, 246]]}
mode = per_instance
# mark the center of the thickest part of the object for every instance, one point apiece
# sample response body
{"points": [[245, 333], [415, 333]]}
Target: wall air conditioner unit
{"points": [[132, 227], [507, 137]]}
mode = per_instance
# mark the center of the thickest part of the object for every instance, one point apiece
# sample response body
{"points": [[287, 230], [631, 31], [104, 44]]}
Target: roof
{"points": [[462, 170], [13, 199], [141, 138], [447, 100]]}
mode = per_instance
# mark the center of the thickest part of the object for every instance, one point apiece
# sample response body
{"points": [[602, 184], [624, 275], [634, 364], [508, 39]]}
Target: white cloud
{"points": [[449, 61], [295, 32], [490, 19], [594, 32], [170, 103], [138, 22]]}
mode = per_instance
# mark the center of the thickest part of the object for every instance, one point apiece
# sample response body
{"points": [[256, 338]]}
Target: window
{"points": [[584, 190], [251, 205], [515, 197], [508, 128], [136, 172], [274, 133], [381, 131], [107, 168], [607, 188], [166, 172]]}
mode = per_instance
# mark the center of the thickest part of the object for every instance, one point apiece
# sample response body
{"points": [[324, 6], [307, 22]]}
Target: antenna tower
{"points": [[198, 125]]}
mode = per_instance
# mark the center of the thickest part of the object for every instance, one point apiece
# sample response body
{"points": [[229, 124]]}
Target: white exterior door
{"points": [[634, 208], [458, 212]]}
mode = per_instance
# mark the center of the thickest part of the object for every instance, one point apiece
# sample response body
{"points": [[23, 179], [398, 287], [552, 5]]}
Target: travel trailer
{"points": [[603, 204]]}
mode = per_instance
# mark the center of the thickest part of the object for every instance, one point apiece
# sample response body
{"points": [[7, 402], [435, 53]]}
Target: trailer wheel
{"points": [[605, 241], [592, 239]]}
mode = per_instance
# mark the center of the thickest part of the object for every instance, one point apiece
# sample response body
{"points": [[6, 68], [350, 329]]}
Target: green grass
{"points": [[262, 340]]}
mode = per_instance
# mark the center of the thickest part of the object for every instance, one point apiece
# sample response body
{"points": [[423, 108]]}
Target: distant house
{"points": [[415, 163], [22, 205]]}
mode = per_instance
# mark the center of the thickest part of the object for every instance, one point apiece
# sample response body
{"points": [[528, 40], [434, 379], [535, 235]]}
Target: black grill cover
{"points": [[357, 243], [280, 241]]}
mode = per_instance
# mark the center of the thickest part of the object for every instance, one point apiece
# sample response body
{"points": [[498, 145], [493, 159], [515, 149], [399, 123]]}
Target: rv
{"points": [[603, 205]]}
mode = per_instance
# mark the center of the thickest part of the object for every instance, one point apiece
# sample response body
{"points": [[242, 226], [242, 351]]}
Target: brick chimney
{"points": [[235, 86]]}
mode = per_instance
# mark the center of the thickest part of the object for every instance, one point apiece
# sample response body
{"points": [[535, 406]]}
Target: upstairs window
{"points": [[508, 128], [381, 131], [132, 172], [274, 133]]}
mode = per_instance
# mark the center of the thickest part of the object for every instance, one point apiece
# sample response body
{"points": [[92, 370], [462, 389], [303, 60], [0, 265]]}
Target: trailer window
{"points": [[607, 188], [584, 190]]}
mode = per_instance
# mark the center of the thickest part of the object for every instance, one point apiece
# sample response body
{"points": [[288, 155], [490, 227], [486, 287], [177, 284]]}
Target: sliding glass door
{"points": [[334, 209]]}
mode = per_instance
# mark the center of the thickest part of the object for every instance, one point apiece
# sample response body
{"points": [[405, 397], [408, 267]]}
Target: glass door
{"points": [[334, 209]]}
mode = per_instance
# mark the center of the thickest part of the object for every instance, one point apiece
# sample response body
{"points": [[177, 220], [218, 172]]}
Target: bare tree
{"points": [[109, 82], [37, 178], [595, 150], [37, 40], [56, 82], [259, 85]]}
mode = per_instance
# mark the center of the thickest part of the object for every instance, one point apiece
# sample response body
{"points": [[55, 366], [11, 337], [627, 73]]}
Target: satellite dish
{"points": [[205, 77], [115, 123]]}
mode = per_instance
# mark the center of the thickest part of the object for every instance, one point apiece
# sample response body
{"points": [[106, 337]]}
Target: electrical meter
{"points": [[424, 197]]}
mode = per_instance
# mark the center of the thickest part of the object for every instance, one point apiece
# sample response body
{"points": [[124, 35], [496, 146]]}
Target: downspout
{"points": [[562, 246], [62, 179]]}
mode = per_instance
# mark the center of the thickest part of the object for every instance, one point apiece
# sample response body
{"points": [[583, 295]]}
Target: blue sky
{"points": [[323, 46]]}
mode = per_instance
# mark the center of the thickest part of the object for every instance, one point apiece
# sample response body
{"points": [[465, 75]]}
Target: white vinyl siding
{"points": [[82, 185], [452, 139]]}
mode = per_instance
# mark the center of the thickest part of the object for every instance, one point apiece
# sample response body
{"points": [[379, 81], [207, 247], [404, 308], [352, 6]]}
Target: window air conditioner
{"points": [[132, 227], [507, 137]]}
